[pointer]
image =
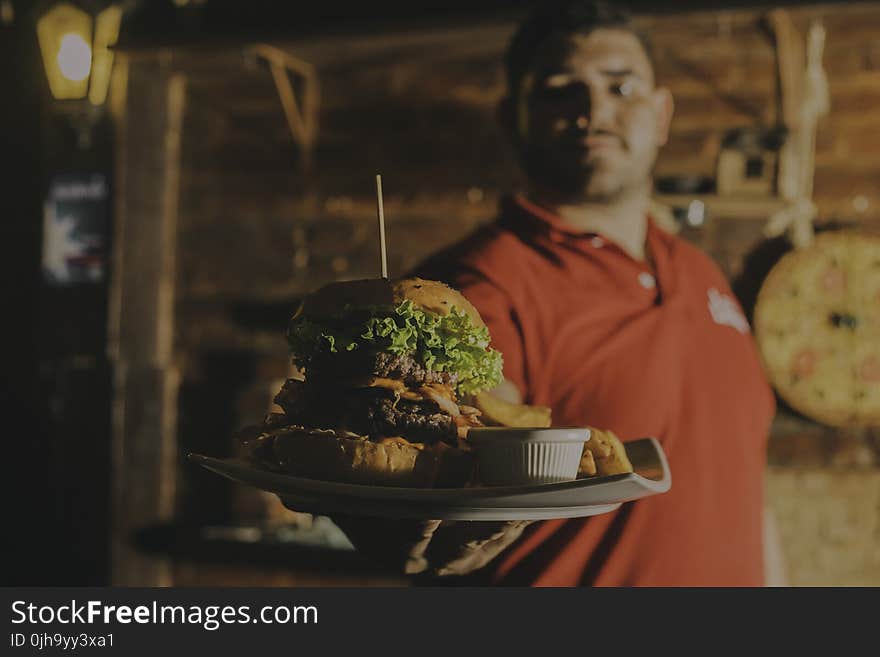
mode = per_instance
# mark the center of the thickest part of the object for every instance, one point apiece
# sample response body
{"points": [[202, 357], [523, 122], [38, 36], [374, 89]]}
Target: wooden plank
{"points": [[142, 315]]}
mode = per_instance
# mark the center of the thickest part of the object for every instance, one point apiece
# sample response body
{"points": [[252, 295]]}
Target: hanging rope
{"points": [[805, 99]]}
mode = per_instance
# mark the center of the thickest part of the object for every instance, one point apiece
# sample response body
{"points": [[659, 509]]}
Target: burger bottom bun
{"points": [[328, 456]]}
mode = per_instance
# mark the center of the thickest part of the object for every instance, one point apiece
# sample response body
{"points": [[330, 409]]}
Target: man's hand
{"points": [[462, 547], [429, 546], [397, 544]]}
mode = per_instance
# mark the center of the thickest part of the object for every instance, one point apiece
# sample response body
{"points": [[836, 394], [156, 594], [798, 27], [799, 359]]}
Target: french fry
{"points": [[608, 452], [496, 411], [587, 466]]}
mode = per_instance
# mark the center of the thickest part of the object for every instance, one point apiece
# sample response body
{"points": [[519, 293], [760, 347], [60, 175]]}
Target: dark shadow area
{"points": [[207, 422]]}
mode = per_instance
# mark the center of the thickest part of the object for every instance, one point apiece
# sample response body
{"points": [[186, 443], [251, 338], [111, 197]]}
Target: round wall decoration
{"points": [[817, 324]]}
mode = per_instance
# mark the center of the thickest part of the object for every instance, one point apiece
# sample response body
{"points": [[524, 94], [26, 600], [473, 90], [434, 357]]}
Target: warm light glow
{"points": [[74, 57], [77, 50], [65, 35]]}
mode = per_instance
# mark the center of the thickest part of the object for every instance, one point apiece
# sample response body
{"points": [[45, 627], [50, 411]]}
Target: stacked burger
{"points": [[386, 368]]}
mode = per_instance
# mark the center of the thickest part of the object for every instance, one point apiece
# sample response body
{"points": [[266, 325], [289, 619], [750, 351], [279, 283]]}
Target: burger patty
{"points": [[374, 412], [330, 367], [415, 421], [405, 368]]}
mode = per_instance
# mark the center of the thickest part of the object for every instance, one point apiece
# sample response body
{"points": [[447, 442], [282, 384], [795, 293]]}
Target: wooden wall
{"points": [[721, 70]]}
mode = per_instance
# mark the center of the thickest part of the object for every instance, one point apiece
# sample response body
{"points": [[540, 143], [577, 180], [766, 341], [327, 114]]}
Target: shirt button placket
{"points": [[647, 280]]}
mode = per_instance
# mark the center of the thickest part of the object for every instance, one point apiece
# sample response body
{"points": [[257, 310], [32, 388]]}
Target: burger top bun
{"points": [[431, 296], [335, 298], [434, 296]]}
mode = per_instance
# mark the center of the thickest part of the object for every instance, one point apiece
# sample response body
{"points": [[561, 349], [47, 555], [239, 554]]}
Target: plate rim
{"points": [[222, 466]]}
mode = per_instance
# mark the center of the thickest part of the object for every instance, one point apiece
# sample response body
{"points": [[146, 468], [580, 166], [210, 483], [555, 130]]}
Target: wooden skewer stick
{"points": [[384, 256]]}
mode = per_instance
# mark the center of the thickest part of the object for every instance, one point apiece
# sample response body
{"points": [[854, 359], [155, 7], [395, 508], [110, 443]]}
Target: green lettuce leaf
{"points": [[442, 343]]}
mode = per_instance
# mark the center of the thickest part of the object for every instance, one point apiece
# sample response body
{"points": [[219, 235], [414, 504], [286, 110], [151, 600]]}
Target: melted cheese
{"points": [[382, 382], [441, 394]]}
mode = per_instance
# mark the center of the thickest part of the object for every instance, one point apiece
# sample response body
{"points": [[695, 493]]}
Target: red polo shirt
{"points": [[604, 341]]}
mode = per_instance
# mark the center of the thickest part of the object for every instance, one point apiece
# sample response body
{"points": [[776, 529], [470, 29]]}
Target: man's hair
{"points": [[559, 19]]}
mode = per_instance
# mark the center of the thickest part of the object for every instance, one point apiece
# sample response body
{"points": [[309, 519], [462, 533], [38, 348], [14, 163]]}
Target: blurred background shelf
{"points": [[758, 208]]}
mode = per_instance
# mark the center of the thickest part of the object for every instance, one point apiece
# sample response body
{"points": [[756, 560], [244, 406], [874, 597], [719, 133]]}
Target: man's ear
{"points": [[663, 108]]}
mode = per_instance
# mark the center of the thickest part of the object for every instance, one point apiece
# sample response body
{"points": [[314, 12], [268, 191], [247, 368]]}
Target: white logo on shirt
{"points": [[724, 311]]}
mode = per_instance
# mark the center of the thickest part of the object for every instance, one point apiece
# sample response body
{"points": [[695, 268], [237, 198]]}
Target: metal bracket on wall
{"points": [[302, 116]]}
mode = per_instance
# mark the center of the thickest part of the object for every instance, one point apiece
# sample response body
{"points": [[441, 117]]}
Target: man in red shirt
{"points": [[612, 323]]}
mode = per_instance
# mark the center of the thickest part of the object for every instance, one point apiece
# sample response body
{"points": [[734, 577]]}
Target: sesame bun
{"points": [[341, 298]]}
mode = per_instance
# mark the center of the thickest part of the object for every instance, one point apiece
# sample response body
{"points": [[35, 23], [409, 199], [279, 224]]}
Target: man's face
{"points": [[589, 120]]}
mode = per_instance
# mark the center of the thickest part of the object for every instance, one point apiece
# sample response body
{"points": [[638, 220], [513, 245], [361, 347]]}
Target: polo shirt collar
{"points": [[542, 218], [527, 219], [520, 213]]}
